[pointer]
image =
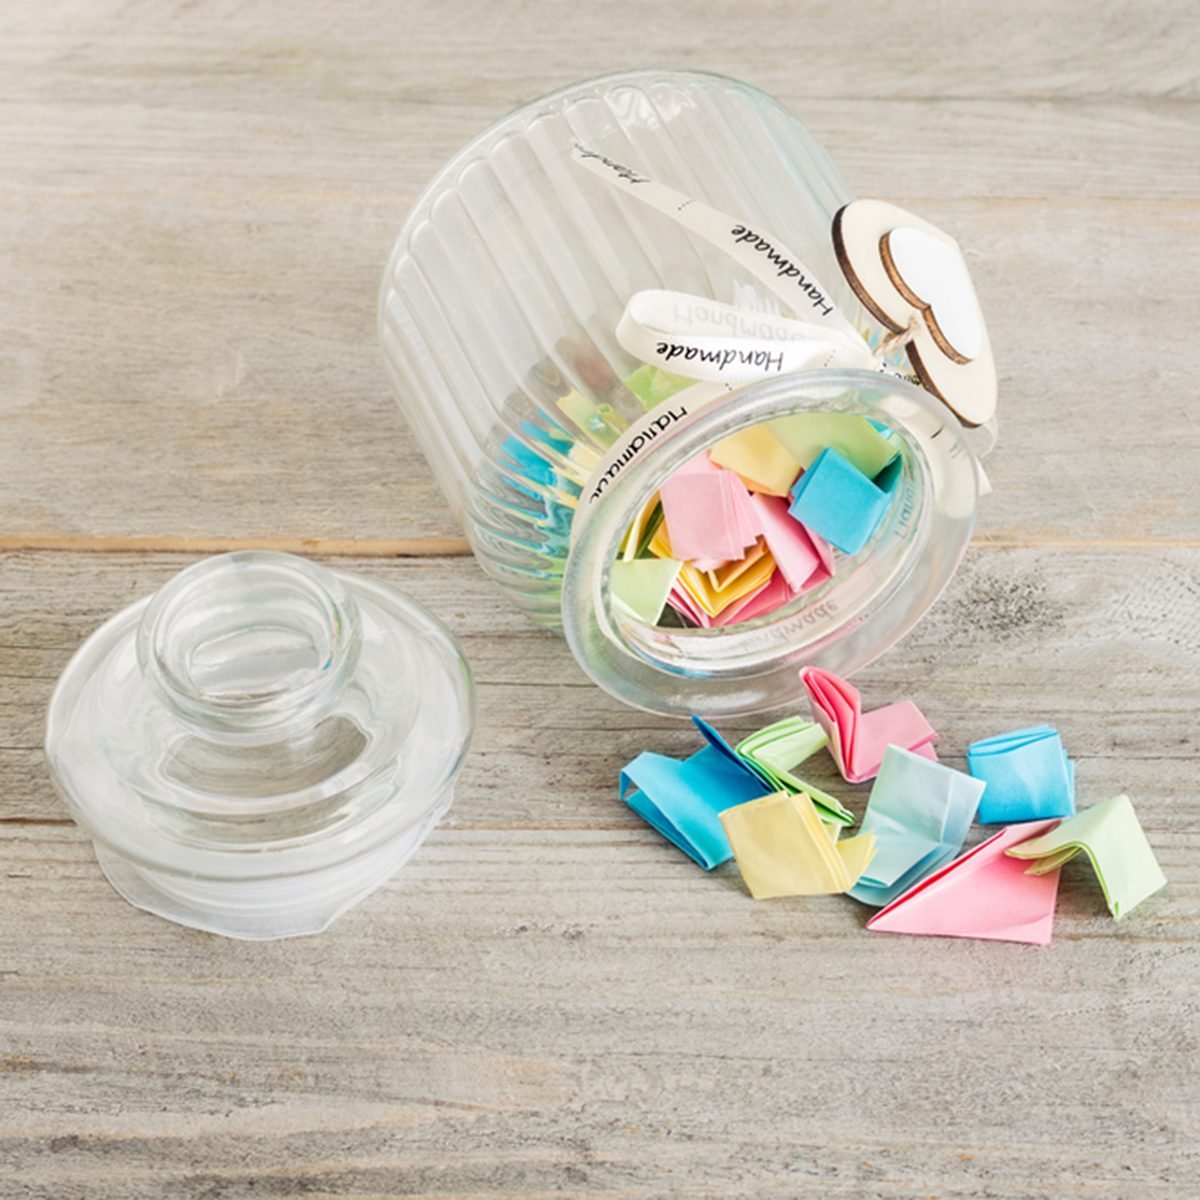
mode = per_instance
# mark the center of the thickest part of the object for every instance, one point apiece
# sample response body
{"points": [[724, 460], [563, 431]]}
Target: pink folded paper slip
{"points": [[982, 894], [765, 599], [804, 558], [710, 520], [857, 740]]}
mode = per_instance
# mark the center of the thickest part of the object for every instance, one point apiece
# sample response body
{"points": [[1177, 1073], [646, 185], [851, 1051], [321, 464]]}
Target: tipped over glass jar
{"points": [[513, 319]]}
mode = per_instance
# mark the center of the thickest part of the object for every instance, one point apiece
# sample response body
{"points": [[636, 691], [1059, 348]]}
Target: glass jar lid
{"points": [[261, 743]]}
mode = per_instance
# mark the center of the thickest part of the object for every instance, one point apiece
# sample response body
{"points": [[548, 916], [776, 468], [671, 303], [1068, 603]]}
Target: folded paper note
{"points": [[776, 751], [919, 812], [783, 849], [641, 585], [1112, 837], [652, 385], [682, 799], [983, 894], [714, 591], [803, 559], [857, 740], [759, 459], [707, 513], [767, 597], [642, 529], [1028, 776], [836, 501], [855, 438]]}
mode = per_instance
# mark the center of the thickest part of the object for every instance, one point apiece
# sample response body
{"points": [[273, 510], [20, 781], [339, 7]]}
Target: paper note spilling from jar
{"points": [[982, 894], [1113, 839], [1028, 776], [753, 804]]}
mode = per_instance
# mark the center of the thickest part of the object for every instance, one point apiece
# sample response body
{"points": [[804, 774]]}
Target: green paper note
{"points": [[1112, 837], [652, 385], [641, 585], [775, 752], [852, 436]]}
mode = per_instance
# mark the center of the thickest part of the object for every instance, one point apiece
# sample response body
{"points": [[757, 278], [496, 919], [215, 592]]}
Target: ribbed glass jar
{"points": [[497, 317]]}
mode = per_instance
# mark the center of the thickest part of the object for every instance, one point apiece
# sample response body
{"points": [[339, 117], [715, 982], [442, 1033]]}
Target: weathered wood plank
{"points": [[523, 1012], [375, 52], [1105, 644], [190, 352], [280, 423]]}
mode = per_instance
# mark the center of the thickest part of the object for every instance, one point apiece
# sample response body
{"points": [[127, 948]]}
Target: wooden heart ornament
{"points": [[908, 272]]}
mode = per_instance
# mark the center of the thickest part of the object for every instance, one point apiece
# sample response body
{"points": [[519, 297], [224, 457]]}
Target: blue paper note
{"points": [[1028, 775], [919, 812], [835, 500], [683, 799]]}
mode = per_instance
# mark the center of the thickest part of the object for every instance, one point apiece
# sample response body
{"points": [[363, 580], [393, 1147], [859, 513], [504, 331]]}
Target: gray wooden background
{"points": [[196, 201]]}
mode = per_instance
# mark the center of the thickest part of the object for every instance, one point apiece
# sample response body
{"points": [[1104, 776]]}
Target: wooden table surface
{"points": [[196, 202]]}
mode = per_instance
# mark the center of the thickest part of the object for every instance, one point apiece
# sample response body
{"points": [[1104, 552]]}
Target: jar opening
{"points": [[873, 597]]}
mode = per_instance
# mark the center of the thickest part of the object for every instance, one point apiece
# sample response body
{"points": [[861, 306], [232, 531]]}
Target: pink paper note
{"points": [[857, 740], [708, 514], [824, 553], [982, 894], [774, 593], [789, 542], [682, 603]]}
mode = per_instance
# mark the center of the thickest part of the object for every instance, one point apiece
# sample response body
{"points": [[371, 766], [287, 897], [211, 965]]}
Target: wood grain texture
{"points": [[195, 204], [199, 203], [550, 999]]}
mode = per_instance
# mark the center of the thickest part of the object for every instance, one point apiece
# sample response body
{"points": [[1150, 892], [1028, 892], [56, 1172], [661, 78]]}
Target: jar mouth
{"points": [[872, 601]]}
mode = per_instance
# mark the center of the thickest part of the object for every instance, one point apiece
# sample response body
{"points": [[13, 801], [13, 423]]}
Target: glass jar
{"points": [[498, 318], [260, 744]]}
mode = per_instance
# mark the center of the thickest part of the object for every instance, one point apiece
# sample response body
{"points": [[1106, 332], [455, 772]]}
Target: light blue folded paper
{"points": [[1028, 774], [682, 799], [835, 500], [919, 812]]}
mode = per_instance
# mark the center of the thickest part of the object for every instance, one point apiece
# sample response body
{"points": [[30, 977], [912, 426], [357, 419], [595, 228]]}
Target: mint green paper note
{"points": [[1112, 837], [776, 751], [852, 436], [641, 585], [652, 385]]}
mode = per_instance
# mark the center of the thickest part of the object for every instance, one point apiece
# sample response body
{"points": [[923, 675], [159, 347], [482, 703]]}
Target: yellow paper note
{"points": [[762, 461], [715, 601], [660, 543], [637, 530], [724, 575], [783, 849]]}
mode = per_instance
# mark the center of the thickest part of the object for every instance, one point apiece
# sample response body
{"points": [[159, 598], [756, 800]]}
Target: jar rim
{"points": [[757, 667]]}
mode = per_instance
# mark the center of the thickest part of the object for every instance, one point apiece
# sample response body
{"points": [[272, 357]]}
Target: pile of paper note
{"points": [[750, 804], [741, 530]]}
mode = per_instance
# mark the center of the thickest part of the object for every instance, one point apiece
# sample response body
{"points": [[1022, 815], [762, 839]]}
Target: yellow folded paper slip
{"points": [[714, 591], [638, 527], [782, 848], [759, 459], [742, 582]]}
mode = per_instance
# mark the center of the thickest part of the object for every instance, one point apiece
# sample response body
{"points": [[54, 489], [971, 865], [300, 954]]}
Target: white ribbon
{"points": [[716, 343], [707, 340]]}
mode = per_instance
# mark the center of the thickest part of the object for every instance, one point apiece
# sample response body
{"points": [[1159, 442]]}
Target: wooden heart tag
{"points": [[913, 279]]}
